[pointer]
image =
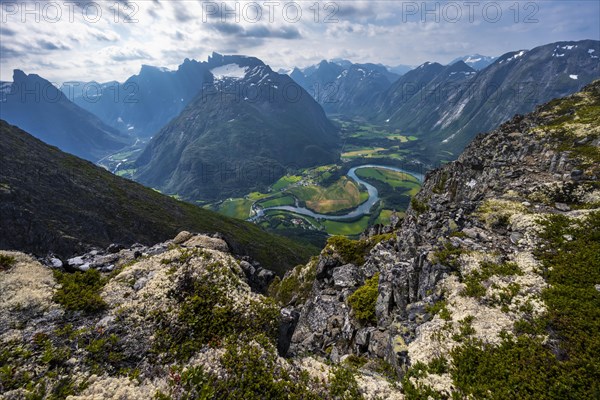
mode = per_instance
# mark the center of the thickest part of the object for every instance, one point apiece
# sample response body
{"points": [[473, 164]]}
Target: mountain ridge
{"points": [[448, 287], [57, 120], [54, 202], [242, 132], [447, 115]]}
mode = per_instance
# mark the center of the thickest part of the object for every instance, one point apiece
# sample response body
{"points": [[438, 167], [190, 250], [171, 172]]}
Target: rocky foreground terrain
{"points": [[182, 319], [500, 250], [489, 288]]}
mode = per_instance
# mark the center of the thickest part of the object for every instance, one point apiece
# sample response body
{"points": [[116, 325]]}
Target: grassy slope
{"points": [[236, 208], [53, 201], [393, 178]]}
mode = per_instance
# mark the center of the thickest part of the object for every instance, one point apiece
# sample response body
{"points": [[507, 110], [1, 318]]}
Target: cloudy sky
{"points": [[109, 40]]}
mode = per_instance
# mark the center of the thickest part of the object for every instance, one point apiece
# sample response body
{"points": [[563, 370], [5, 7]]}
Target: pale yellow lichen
{"points": [[122, 388], [27, 286], [493, 211]]}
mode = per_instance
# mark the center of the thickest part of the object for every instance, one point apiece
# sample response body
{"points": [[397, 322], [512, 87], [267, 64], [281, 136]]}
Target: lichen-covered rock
{"points": [[143, 319], [206, 242], [26, 291], [169, 321]]}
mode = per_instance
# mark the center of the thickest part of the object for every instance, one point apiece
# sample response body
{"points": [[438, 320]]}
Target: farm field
{"points": [[343, 194], [350, 228], [285, 182], [285, 200], [392, 178], [236, 208], [326, 190]]}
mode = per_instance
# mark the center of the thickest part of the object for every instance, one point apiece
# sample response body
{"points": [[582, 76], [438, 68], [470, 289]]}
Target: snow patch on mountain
{"points": [[229, 71], [5, 87], [519, 54]]}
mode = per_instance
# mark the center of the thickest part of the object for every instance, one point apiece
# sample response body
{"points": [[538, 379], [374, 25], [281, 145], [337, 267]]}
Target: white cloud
{"points": [[166, 32], [124, 53]]}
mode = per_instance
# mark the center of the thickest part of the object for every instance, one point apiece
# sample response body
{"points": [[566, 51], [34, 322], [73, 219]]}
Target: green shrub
{"points": [[351, 251], [105, 354], [418, 391], [386, 369], [440, 185], [380, 238], [448, 255], [190, 384], [296, 284], [520, 368], [252, 372], [13, 356], [80, 291], [475, 288], [6, 262], [441, 308], [37, 368], [466, 329], [207, 316], [530, 366], [419, 206], [343, 385], [438, 365], [505, 296], [364, 299], [460, 235], [355, 361], [489, 269]]}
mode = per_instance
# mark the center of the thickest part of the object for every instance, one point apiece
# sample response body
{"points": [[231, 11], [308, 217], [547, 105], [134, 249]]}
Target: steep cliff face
{"points": [[467, 263]]}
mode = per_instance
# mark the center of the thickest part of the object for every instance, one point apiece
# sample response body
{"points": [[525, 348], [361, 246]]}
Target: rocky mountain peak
{"points": [[19, 75]]}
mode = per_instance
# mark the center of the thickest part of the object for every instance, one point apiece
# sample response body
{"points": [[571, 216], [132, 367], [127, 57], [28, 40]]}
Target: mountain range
{"points": [[475, 61], [35, 104], [340, 85], [145, 102], [230, 125], [240, 133], [446, 107]]}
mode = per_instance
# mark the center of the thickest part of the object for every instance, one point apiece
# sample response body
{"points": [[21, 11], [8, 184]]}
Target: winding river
{"points": [[358, 211]]}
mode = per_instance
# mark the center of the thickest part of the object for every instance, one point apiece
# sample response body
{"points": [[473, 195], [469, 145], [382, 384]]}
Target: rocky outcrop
{"points": [[478, 211], [175, 320]]}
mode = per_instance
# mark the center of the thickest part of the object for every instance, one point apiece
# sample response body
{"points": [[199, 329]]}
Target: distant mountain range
{"points": [[342, 87], [144, 103], [447, 106], [240, 133], [34, 104], [51, 201], [400, 69], [230, 124], [475, 61]]}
